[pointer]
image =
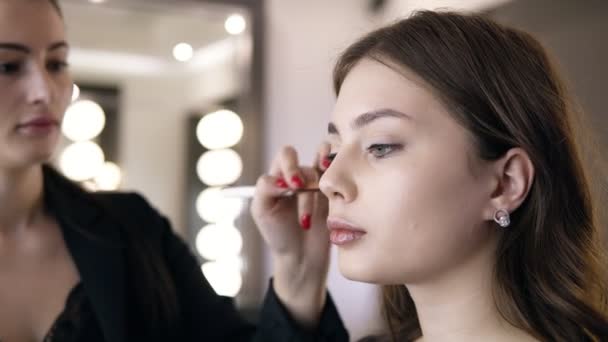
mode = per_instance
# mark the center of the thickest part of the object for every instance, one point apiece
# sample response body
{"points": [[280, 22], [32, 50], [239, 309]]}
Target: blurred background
{"points": [[176, 98]]}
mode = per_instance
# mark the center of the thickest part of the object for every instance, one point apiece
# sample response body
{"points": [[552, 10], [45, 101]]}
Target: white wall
{"points": [[304, 39]]}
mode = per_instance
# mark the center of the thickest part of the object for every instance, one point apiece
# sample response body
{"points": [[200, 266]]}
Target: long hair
{"points": [[500, 85], [56, 6], [153, 311]]}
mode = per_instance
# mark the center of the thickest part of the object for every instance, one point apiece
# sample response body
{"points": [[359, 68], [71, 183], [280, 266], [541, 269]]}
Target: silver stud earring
{"points": [[501, 216]]}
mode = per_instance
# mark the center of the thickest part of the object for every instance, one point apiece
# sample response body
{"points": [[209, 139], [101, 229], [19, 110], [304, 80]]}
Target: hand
{"points": [[295, 231]]}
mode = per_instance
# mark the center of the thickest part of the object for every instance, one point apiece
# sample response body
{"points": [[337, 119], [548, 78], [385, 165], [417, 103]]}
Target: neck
{"points": [[21, 197], [460, 306]]}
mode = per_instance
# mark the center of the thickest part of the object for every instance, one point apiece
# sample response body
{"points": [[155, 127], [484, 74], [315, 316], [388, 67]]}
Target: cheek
{"points": [[10, 101], [64, 92], [430, 215]]}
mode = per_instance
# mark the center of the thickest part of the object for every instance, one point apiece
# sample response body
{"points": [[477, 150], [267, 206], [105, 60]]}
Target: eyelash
{"points": [[374, 148], [57, 65], [12, 68], [390, 147]]}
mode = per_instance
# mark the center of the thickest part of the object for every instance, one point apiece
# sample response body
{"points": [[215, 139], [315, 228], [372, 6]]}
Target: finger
{"points": [[268, 191], [321, 209], [287, 165], [321, 159], [306, 200]]}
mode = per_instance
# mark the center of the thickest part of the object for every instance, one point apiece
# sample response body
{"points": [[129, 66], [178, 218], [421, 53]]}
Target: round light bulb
{"points": [[219, 167], [221, 129], [109, 177], [81, 160], [235, 24], [224, 277], [218, 241], [75, 92], [212, 206], [183, 52], [83, 120]]}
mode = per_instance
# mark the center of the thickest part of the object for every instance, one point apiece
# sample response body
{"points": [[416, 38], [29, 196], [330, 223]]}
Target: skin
{"points": [[406, 173], [36, 271]]}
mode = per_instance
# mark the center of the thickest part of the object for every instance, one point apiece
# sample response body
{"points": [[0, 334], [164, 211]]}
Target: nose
{"points": [[39, 86], [337, 182]]}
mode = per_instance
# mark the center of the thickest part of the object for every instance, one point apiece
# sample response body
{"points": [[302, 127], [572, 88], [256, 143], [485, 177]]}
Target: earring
{"points": [[501, 216]]}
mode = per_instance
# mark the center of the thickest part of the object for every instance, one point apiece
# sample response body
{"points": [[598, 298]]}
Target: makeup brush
{"points": [[248, 191]]}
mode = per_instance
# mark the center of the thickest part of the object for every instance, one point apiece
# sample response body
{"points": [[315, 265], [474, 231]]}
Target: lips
{"points": [[342, 232], [39, 122]]}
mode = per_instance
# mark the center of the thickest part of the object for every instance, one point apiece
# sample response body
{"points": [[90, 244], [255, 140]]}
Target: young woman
{"points": [[455, 183], [76, 266]]}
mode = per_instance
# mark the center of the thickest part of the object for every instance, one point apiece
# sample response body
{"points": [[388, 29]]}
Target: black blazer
{"points": [[93, 226]]}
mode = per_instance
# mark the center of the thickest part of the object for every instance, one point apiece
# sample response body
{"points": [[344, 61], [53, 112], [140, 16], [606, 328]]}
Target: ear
{"points": [[514, 175]]}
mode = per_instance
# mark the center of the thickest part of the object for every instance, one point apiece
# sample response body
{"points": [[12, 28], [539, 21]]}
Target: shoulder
{"points": [[133, 212], [376, 338], [122, 201]]}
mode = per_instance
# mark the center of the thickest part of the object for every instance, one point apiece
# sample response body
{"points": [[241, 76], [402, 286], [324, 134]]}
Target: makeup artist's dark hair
{"points": [[153, 312], [153, 309], [57, 7], [500, 85]]}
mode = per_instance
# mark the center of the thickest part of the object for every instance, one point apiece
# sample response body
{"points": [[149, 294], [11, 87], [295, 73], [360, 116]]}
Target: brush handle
{"points": [[249, 190]]}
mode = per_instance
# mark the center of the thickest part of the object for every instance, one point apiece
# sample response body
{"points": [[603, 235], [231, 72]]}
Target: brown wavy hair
{"points": [[500, 85]]}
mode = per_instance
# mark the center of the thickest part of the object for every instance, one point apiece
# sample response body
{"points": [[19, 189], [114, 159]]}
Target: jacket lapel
{"points": [[97, 247]]}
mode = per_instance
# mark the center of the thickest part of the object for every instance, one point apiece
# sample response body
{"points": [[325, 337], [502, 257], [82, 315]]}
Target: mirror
{"points": [[147, 72]]}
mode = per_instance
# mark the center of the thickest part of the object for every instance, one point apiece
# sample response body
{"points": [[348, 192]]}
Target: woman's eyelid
{"points": [[383, 150], [10, 67]]}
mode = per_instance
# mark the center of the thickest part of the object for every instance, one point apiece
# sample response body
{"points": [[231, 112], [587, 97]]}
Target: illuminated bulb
{"points": [[224, 276], [109, 177], [218, 241], [84, 120], [235, 24], [75, 92], [219, 167], [81, 161], [221, 129], [183, 52], [212, 206]]}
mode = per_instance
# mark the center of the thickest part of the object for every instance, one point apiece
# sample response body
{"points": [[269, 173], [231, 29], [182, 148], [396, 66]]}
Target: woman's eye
{"points": [[331, 157], [383, 150], [10, 68], [57, 66]]}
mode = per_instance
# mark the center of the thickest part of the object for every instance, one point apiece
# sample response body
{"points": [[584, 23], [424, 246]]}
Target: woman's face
{"points": [[35, 87], [406, 190]]}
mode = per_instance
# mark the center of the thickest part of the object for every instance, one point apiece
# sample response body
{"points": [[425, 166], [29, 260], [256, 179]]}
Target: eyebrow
{"points": [[367, 118], [25, 49]]}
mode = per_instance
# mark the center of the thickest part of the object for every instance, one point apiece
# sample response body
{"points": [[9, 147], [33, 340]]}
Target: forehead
{"points": [[34, 23], [371, 85]]}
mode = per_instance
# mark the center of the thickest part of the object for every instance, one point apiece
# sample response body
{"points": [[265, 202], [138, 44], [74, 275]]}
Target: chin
{"points": [[366, 269], [33, 158], [360, 268]]}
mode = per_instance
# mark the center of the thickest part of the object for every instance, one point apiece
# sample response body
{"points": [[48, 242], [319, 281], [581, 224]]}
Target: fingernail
{"points": [[326, 162], [297, 181], [281, 183], [305, 221]]}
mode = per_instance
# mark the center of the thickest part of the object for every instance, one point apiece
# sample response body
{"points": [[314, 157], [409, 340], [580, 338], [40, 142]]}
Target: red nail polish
{"points": [[281, 183], [297, 181], [326, 162], [305, 221]]}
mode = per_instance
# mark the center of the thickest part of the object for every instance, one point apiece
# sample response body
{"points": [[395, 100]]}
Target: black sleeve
{"points": [[210, 317], [276, 323]]}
